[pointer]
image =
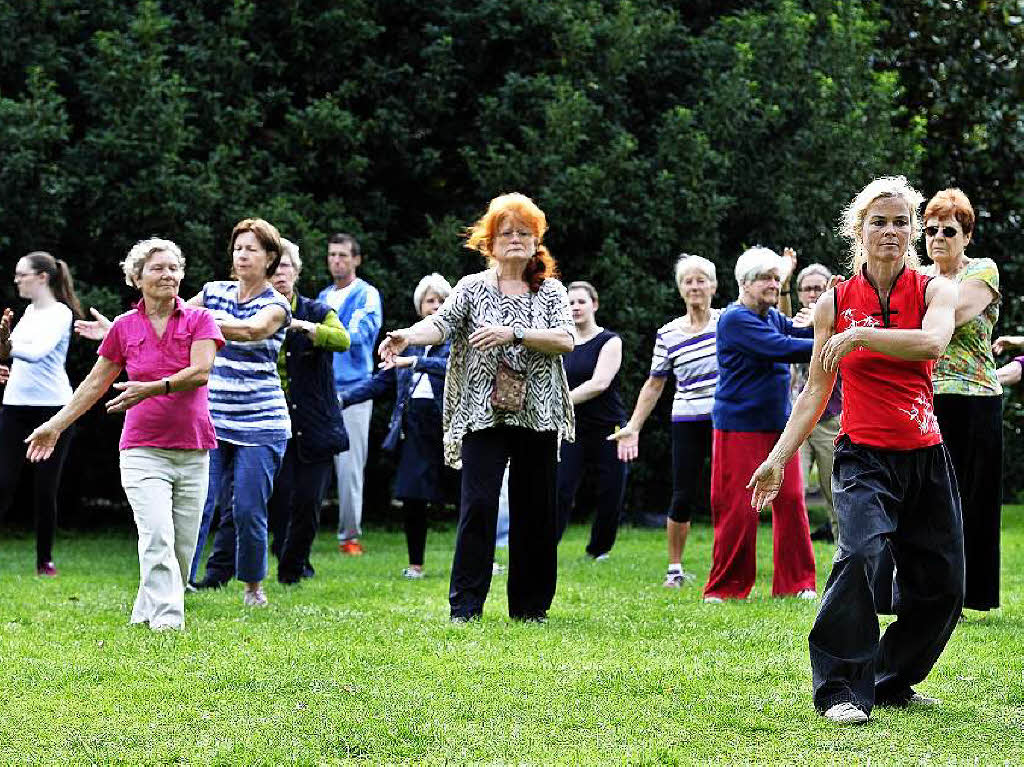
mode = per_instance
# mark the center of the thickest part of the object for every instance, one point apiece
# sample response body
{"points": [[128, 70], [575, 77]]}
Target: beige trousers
{"points": [[820, 449], [166, 490]]}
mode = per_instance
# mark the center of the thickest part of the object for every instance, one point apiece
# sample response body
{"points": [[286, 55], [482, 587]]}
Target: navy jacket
{"points": [[433, 365], [317, 426]]}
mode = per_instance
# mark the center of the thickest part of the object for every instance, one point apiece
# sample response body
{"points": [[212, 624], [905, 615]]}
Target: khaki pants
{"points": [[166, 490], [819, 449]]}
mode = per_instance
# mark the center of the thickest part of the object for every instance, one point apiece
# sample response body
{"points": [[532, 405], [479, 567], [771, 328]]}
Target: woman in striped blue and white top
{"points": [[247, 407], [685, 347]]}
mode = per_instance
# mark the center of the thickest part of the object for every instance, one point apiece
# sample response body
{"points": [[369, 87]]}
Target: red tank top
{"points": [[887, 402]]}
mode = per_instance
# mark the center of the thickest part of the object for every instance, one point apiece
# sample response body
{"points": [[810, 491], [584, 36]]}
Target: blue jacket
{"points": [[404, 380], [317, 425], [753, 377], [361, 315]]}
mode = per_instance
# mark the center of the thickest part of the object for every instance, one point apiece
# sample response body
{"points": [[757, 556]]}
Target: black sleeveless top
{"points": [[604, 412]]}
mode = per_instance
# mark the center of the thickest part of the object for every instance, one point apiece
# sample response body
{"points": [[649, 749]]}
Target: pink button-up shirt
{"points": [[179, 420]]}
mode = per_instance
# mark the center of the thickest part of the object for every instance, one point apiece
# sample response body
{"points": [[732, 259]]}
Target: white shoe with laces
{"points": [[412, 573], [846, 713], [807, 594], [675, 579], [255, 598], [713, 600]]}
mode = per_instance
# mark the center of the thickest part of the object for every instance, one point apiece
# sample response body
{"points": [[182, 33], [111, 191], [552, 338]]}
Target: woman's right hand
{"points": [[394, 343], [41, 442], [628, 438], [1007, 344], [6, 323], [5, 373], [95, 330]]}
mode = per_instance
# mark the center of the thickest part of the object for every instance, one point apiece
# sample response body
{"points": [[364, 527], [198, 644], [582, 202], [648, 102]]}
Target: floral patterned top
{"points": [[474, 302], [968, 366]]}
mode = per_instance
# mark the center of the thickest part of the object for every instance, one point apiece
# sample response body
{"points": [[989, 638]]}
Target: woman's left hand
{"points": [[490, 337], [397, 362], [132, 393], [837, 347], [765, 484]]}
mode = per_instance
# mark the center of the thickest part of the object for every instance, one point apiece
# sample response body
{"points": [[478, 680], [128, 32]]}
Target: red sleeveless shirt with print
{"points": [[887, 402]]}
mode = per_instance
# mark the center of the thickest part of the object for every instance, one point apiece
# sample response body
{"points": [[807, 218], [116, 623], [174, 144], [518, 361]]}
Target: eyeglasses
{"points": [[947, 231], [521, 234], [23, 275], [812, 289]]}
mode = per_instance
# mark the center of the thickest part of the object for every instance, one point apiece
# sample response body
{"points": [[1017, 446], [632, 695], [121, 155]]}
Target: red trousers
{"points": [[735, 455]]}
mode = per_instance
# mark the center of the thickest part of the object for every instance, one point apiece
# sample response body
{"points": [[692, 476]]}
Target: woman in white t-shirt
{"points": [[37, 387]]}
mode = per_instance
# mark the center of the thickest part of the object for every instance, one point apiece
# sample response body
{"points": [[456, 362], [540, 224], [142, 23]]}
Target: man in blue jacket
{"points": [[357, 304]]}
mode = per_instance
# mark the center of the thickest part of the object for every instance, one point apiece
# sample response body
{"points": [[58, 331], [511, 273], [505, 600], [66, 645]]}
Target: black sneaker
{"points": [[209, 583], [823, 533]]}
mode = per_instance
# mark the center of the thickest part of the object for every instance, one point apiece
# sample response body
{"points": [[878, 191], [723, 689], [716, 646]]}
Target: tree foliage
{"points": [[643, 128]]}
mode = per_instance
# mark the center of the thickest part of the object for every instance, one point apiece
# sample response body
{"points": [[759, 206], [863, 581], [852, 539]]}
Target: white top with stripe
{"points": [[39, 346], [693, 359], [247, 405]]}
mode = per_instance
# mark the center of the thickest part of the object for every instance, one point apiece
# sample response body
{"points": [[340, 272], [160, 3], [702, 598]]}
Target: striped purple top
{"points": [[691, 356]]}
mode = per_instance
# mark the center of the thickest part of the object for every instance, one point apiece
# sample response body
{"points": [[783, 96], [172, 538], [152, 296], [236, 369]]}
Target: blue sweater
{"points": [[360, 313], [753, 374]]}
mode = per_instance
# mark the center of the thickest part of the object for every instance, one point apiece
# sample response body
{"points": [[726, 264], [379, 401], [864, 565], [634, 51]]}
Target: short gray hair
{"points": [[819, 269], [686, 262], [139, 254], [290, 249], [853, 217], [432, 283], [755, 261]]}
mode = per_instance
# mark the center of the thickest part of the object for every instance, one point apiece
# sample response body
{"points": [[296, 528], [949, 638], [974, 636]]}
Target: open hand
{"points": [[490, 337], [95, 330], [6, 323], [765, 482], [837, 347], [5, 373], [397, 362], [628, 438], [132, 393], [394, 343], [41, 442], [804, 318]]}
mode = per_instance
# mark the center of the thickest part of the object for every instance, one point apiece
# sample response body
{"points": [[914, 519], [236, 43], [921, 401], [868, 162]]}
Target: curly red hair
{"points": [[951, 202], [524, 211]]}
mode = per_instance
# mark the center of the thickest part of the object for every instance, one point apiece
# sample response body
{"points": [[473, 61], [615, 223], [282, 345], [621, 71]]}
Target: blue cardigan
{"points": [[433, 365], [753, 374]]}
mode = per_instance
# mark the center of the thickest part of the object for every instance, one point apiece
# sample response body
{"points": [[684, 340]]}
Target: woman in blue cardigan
{"points": [[417, 379]]}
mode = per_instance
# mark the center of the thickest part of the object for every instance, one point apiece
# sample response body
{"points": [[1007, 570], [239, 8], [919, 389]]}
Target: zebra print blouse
{"points": [[476, 301]]}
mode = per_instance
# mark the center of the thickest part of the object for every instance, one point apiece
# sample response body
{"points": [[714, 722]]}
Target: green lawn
{"points": [[360, 664]]}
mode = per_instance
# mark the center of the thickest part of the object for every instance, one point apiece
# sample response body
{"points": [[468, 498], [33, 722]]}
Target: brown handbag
{"points": [[509, 392]]}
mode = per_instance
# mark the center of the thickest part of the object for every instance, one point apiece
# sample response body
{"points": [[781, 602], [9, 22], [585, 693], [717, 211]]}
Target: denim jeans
{"points": [[241, 539], [907, 502]]}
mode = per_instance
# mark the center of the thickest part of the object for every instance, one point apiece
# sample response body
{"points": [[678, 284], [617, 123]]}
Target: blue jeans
{"points": [[240, 544]]}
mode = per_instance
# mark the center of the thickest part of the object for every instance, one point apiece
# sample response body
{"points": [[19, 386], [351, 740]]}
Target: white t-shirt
{"points": [[422, 389], [39, 346]]}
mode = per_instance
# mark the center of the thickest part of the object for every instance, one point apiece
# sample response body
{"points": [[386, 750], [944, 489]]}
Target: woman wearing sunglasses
{"points": [[968, 401]]}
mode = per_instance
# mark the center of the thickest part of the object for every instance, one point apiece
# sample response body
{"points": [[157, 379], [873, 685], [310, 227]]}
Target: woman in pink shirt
{"points": [[168, 348]]}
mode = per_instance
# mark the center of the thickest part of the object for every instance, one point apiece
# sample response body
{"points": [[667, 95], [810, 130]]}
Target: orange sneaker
{"points": [[351, 547]]}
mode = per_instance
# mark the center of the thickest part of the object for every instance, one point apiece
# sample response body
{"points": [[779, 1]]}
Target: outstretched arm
{"points": [[808, 408], [628, 437]]}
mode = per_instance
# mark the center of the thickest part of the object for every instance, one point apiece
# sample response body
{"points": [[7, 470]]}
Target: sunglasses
{"points": [[947, 231]]}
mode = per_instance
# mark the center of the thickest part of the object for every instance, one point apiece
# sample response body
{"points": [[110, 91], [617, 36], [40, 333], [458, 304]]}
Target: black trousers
{"points": [[533, 544], [593, 452], [972, 428], [415, 529], [16, 423], [294, 511], [906, 502]]}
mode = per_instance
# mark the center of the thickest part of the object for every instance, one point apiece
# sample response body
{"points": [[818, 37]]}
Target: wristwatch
{"points": [[518, 334]]}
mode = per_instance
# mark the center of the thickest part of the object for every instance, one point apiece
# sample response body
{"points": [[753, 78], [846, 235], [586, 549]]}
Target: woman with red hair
{"points": [[968, 395], [506, 400]]}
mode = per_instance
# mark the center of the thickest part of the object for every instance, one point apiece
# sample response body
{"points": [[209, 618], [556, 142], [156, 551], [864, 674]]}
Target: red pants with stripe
{"points": [[734, 458]]}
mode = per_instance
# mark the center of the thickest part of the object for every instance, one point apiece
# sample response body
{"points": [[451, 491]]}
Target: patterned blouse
{"points": [[475, 302], [968, 366]]}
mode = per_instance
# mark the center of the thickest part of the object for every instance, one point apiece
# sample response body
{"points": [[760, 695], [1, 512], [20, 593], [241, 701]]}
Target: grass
{"points": [[361, 665]]}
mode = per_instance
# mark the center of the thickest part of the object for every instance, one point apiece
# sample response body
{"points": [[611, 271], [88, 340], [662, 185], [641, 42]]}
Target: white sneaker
{"points": [[807, 594], [601, 557], [846, 713], [411, 573], [676, 579], [713, 600], [497, 569], [255, 598]]}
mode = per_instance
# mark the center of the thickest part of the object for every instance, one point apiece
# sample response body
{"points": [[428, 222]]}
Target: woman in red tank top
{"points": [[895, 490]]}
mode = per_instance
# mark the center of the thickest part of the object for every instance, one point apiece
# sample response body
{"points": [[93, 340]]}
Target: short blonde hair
{"points": [[290, 249], [140, 253], [852, 221], [755, 261], [686, 262], [432, 283]]}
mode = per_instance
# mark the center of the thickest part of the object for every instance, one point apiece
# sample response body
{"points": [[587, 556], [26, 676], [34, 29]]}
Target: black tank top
{"points": [[605, 411]]}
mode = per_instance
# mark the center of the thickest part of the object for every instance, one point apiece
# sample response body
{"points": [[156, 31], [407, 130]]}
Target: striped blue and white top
{"points": [[247, 405], [691, 356]]}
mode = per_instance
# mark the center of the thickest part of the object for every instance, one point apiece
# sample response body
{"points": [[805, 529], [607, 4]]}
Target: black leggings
{"points": [[691, 458], [415, 529], [16, 423]]}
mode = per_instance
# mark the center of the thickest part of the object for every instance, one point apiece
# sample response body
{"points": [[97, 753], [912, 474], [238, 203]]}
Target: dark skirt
{"points": [[421, 473], [972, 428]]}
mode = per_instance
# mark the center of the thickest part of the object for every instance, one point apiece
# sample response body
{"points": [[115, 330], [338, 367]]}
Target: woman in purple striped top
{"points": [[684, 347]]}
